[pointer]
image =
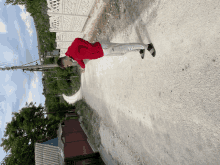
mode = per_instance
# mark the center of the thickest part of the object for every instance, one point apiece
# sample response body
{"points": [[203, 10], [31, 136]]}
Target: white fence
{"points": [[67, 19]]}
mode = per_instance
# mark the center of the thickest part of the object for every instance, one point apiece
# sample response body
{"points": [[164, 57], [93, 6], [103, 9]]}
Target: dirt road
{"points": [[161, 110]]}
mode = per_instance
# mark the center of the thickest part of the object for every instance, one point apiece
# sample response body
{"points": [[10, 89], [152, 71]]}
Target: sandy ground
{"points": [[163, 109]]}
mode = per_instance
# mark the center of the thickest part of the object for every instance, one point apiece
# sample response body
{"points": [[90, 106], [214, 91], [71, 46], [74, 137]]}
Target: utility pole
{"points": [[50, 56], [34, 67]]}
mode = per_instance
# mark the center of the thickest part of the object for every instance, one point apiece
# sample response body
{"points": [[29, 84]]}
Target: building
{"points": [[71, 146], [48, 154]]}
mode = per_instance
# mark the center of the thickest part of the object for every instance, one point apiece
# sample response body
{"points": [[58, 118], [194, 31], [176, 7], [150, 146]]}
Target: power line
{"points": [[30, 62], [21, 65]]}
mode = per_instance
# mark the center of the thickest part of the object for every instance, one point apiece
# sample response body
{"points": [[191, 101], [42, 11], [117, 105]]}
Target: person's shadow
{"points": [[142, 26]]}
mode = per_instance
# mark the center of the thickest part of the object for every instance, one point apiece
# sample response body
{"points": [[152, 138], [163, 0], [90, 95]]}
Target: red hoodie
{"points": [[81, 49]]}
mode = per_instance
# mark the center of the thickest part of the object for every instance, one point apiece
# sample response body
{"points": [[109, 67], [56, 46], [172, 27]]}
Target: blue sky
{"points": [[18, 45]]}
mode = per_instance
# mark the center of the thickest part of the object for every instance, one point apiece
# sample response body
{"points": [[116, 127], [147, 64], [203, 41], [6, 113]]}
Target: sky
{"points": [[18, 46]]}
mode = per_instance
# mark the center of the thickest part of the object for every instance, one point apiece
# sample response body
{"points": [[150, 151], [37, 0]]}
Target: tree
{"points": [[8, 160], [15, 2], [26, 128]]}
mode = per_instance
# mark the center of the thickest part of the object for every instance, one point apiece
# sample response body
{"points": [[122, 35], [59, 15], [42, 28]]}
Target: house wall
{"points": [[48, 154]]}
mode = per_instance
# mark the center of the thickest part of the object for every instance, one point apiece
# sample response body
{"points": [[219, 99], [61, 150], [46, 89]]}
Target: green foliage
{"points": [[29, 125], [15, 2], [57, 82], [9, 160]]}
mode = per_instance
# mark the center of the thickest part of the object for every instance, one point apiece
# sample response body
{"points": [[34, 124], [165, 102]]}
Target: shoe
{"points": [[142, 52], [150, 47]]}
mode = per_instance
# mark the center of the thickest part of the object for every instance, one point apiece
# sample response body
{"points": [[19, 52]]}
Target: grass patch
{"points": [[90, 120]]}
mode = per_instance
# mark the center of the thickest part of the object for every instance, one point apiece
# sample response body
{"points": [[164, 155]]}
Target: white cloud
{"points": [[18, 31], [2, 105], [25, 86], [34, 80], [24, 83], [30, 43], [15, 59], [33, 84], [22, 7], [36, 76], [7, 77], [9, 89], [25, 16], [3, 28], [0, 121], [30, 99], [8, 55], [8, 116]]}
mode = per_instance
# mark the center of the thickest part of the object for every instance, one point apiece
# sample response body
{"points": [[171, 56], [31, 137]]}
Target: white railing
{"points": [[67, 19]]}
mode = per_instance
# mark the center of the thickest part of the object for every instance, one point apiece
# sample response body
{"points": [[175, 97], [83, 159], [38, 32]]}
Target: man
{"points": [[81, 49]]}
